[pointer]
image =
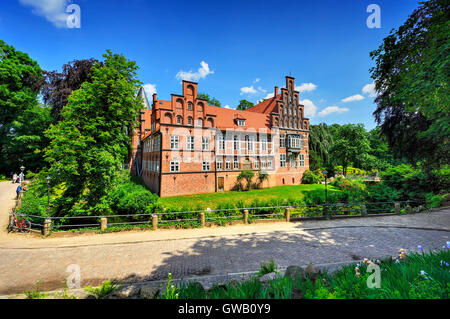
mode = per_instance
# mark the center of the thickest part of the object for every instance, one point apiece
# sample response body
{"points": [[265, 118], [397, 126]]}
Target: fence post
{"points": [[245, 216], [103, 223], [408, 209], [363, 210], [287, 214], [47, 226], [202, 219], [397, 208], [155, 221]]}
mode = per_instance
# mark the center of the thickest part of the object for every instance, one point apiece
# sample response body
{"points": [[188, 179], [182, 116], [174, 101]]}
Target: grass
{"points": [[105, 288], [415, 276], [215, 200], [36, 293]]}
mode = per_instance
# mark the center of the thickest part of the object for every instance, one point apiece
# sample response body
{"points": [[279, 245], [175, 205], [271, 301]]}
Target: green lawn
{"points": [[214, 200]]}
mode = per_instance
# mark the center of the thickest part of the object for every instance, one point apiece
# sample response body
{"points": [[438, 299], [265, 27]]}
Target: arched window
{"points": [[190, 120], [200, 121], [189, 106], [179, 120], [190, 90], [179, 104], [168, 118]]}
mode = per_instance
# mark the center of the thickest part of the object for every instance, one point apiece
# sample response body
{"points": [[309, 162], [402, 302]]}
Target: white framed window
{"points": [[189, 106], [227, 164], [220, 142], [269, 163], [236, 142], [282, 160], [206, 166], [189, 120], [236, 163], [190, 143], [256, 163], [174, 166], [263, 163], [241, 122], [205, 143], [263, 143], [301, 160], [200, 122], [282, 140], [179, 120], [174, 142], [219, 164], [292, 161]]}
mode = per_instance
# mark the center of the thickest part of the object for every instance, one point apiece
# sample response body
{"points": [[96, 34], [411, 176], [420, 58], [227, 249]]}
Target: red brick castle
{"points": [[185, 146]]}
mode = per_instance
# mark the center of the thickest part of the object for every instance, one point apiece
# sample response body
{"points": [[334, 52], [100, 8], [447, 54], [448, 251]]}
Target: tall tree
{"points": [[91, 142], [211, 100], [57, 87], [411, 79], [244, 104], [320, 141], [19, 87], [349, 145]]}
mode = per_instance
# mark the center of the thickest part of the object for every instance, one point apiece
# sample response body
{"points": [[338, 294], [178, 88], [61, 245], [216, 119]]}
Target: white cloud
{"points": [[201, 73], [357, 97], [149, 90], [310, 107], [332, 109], [370, 89], [52, 10], [257, 80], [252, 90], [227, 106], [306, 87]]}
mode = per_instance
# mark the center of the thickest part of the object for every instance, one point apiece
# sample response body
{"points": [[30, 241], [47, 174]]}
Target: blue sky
{"points": [[234, 49]]}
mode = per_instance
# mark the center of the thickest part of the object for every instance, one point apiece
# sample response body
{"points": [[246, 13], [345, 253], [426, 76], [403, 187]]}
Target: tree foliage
{"points": [[19, 87], [244, 104], [89, 145], [211, 100], [57, 86], [350, 144], [320, 141], [411, 79]]}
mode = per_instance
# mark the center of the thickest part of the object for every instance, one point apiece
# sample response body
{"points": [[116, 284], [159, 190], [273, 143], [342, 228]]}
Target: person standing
{"points": [[19, 188], [21, 177], [14, 178]]}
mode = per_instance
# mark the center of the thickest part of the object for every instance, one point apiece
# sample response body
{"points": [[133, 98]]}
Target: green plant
{"points": [[310, 177], [103, 290], [170, 291], [35, 293], [246, 175], [267, 267]]}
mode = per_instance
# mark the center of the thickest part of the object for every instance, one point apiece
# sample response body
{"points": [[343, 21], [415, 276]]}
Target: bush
{"points": [[435, 201], [310, 177], [248, 176]]}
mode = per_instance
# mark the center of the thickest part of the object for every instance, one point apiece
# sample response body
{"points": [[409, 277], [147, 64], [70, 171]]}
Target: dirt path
{"points": [[7, 201]]}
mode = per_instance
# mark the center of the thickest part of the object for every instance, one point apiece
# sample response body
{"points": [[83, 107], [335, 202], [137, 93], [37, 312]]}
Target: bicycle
{"points": [[21, 225]]}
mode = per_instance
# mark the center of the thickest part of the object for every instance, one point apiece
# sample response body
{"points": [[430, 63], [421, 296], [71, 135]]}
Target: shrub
{"points": [[310, 177], [435, 201], [262, 176], [247, 175]]}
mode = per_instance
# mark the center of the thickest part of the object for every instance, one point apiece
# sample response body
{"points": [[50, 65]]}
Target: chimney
{"points": [[276, 91], [154, 97]]}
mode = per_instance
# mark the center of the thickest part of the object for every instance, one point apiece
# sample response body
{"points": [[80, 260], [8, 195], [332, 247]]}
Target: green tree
{"points": [[91, 142], [244, 104], [320, 141], [411, 79], [211, 100], [26, 140], [349, 145], [20, 77]]}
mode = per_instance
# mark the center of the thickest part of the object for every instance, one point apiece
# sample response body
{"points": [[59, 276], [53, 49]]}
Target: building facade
{"points": [[185, 146]]}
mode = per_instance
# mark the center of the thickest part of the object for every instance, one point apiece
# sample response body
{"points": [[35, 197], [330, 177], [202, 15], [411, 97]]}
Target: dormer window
{"points": [[241, 122]]}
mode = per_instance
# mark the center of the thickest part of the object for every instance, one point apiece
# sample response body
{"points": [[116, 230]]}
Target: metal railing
{"points": [[199, 218]]}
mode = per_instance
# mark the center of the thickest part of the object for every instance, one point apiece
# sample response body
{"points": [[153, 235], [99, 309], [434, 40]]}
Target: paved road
{"points": [[151, 255]]}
